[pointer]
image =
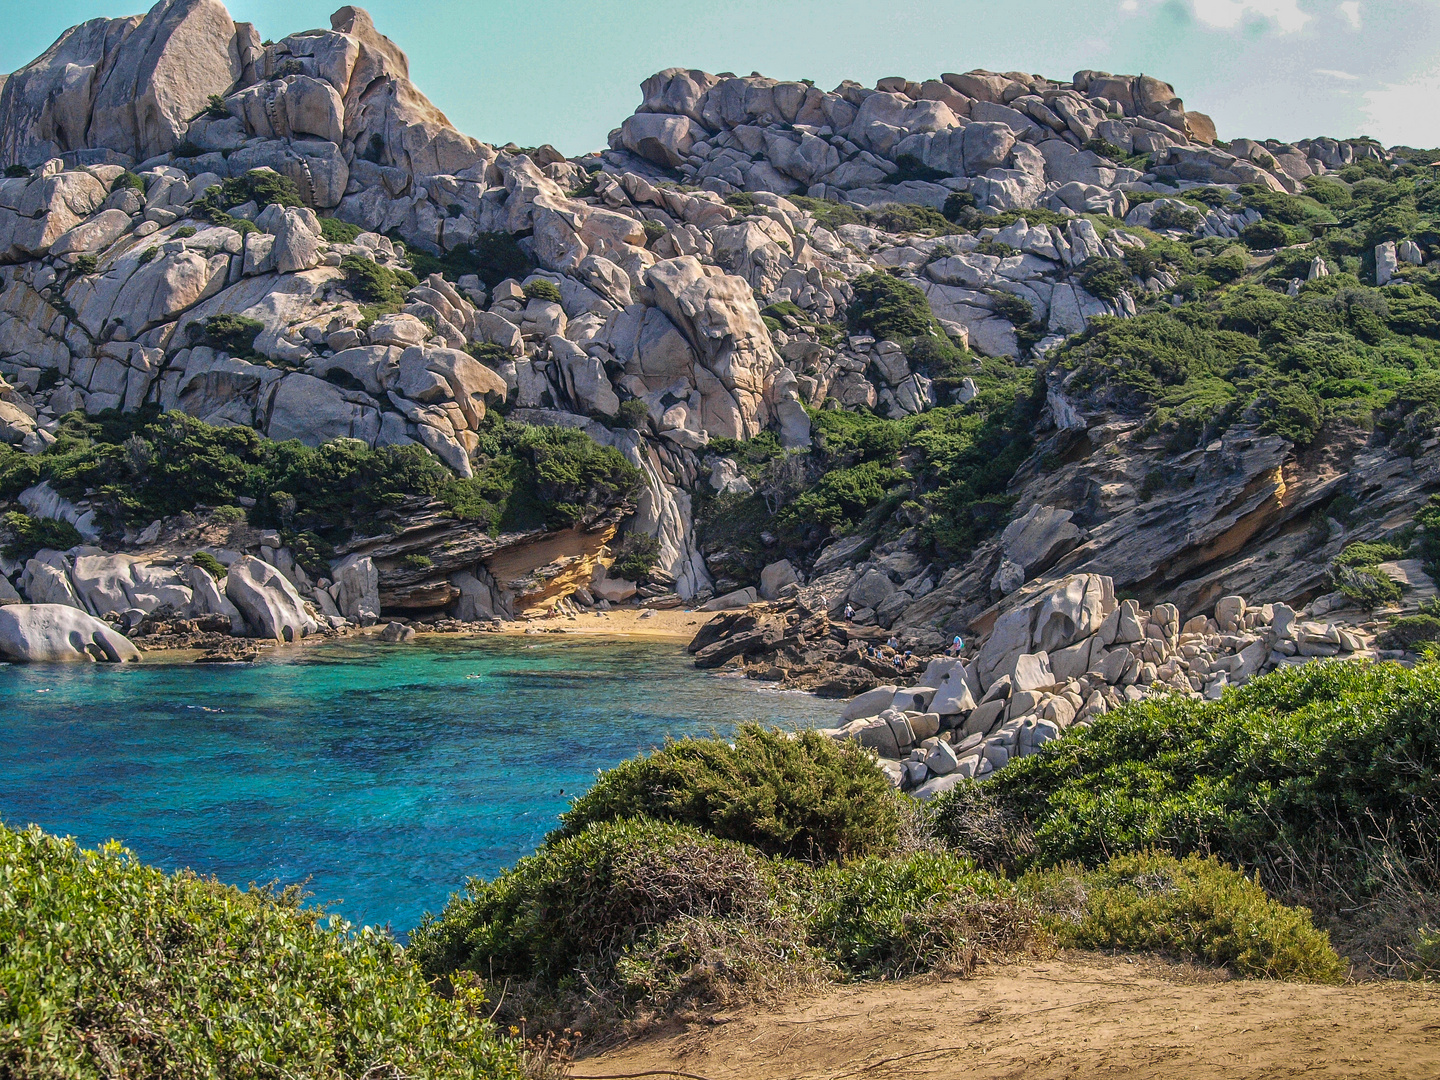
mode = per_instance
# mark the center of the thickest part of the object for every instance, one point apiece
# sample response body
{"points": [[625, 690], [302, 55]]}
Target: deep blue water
{"points": [[383, 776]]}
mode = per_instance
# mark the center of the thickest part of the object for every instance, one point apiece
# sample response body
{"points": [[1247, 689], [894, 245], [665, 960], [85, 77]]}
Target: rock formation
{"points": [[668, 278]]}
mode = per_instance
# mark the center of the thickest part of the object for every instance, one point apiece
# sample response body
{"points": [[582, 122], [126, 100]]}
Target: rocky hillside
{"points": [[924, 348]]}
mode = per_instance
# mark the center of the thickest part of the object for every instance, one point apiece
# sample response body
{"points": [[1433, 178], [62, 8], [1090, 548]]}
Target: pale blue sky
{"points": [[566, 72]]}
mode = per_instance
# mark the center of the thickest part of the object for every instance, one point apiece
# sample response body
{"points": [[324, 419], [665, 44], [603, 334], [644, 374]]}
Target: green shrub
{"points": [[1410, 631], [210, 564], [215, 108], [1192, 908], [128, 179], [185, 232], [802, 796], [16, 172], [148, 255], [372, 283], [653, 230], [1265, 234], [489, 354], [542, 289], [636, 557], [1287, 775], [1173, 215], [634, 414], [85, 264], [889, 308], [336, 231], [234, 334], [1368, 586], [228, 515], [1368, 555], [29, 535], [493, 257], [586, 900], [958, 206], [1105, 278], [185, 148], [112, 968], [416, 562], [901, 916]]}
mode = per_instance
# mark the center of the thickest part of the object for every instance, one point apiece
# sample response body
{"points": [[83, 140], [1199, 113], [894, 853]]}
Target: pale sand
{"points": [[622, 622]]}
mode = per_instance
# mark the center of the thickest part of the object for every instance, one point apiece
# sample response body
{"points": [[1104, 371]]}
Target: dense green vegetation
{"points": [[710, 870], [112, 968], [136, 467], [944, 472], [805, 797], [24, 535], [1322, 779], [1240, 349]]}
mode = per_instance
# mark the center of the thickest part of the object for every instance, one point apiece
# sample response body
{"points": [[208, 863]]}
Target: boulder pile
{"points": [[1068, 656]]}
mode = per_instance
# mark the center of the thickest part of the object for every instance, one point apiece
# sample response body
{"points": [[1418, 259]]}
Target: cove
{"points": [[380, 776]]}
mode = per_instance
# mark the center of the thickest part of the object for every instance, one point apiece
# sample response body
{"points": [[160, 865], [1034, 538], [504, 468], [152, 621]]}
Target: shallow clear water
{"points": [[383, 775]]}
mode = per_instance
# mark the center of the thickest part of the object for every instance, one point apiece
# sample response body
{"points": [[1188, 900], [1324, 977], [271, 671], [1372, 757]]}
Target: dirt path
{"points": [[1069, 1017]]}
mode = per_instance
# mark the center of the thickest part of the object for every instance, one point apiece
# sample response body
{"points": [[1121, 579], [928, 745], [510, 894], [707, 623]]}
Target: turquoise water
{"points": [[382, 776]]}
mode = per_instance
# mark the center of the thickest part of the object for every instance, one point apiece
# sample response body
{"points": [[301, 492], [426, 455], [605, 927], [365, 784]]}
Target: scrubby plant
{"points": [[542, 289], [336, 231], [114, 968], [210, 564], [797, 795], [29, 535], [634, 414], [1193, 907], [185, 232], [85, 264], [1318, 777], [233, 334], [16, 172], [128, 179], [1105, 278], [636, 557], [900, 916], [415, 561], [374, 284]]}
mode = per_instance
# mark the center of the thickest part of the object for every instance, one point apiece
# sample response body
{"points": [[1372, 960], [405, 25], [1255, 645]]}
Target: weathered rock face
{"points": [[55, 633], [124, 85], [270, 604]]}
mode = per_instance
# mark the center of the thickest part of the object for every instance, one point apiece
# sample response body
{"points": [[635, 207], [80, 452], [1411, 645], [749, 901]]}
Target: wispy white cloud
{"points": [[1406, 112], [1229, 14], [1350, 12], [1336, 74]]}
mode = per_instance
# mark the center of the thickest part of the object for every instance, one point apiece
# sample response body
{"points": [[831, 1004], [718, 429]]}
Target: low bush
{"points": [[1410, 631], [610, 901], [372, 283], [890, 308], [336, 231], [1105, 278], [633, 414], [1191, 908], [233, 334], [802, 796], [210, 564], [899, 916], [112, 968], [636, 557], [1320, 777], [28, 535], [542, 289], [1368, 554], [128, 179]]}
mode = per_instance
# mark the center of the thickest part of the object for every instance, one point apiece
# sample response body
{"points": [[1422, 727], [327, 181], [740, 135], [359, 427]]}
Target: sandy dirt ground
{"points": [[1071, 1017], [622, 622]]}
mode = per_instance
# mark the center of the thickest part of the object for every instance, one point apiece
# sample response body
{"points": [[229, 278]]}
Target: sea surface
{"points": [[380, 776]]}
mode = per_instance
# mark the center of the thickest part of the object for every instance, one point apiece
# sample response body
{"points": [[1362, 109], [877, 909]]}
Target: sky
{"points": [[568, 71]]}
